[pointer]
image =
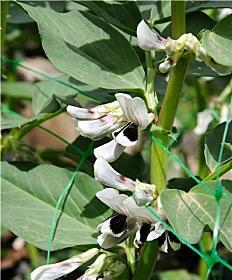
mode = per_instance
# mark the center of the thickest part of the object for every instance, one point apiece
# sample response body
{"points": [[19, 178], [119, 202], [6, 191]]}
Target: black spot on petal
{"points": [[118, 223], [144, 231], [131, 132], [161, 240]]}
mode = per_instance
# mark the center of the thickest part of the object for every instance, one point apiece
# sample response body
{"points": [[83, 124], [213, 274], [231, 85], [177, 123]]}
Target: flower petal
{"points": [[91, 113], [110, 151], [148, 40], [173, 241], [125, 205], [141, 214], [204, 118], [134, 109], [56, 270], [156, 232], [83, 113], [163, 242], [107, 241], [141, 234], [107, 176], [114, 226], [112, 199], [97, 129], [127, 136]]}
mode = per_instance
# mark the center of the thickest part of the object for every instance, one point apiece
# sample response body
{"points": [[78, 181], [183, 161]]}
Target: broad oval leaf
{"points": [[63, 89], [218, 42], [213, 141], [190, 212], [88, 49], [123, 14], [29, 200]]}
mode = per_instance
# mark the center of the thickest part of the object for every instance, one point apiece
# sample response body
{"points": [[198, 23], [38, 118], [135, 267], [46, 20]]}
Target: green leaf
{"points": [[29, 200], [184, 184], [22, 90], [124, 15], [192, 6], [178, 274], [218, 42], [49, 94], [88, 49], [213, 141], [11, 120], [17, 15], [199, 69], [190, 212]]}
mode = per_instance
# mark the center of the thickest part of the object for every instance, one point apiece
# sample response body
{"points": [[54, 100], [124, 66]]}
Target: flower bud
{"points": [[87, 255], [96, 268], [165, 66]]}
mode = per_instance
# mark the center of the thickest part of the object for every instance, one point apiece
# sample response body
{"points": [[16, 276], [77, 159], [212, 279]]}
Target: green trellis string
{"points": [[61, 200], [210, 259]]}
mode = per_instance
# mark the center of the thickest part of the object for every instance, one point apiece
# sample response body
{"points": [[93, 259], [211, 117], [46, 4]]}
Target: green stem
{"points": [[178, 18], [17, 134], [4, 12], [150, 95], [166, 118], [147, 261], [205, 245], [223, 169], [170, 103]]}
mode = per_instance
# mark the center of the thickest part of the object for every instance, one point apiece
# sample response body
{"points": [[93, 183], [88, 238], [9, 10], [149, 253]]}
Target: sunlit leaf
{"points": [[189, 213], [88, 49], [218, 42], [29, 200]]}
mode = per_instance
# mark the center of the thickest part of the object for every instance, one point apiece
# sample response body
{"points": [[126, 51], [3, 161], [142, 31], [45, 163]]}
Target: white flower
{"points": [[106, 175], [127, 220], [137, 118], [204, 118], [96, 123], [57, 270], [149, 40], [124, 118]]}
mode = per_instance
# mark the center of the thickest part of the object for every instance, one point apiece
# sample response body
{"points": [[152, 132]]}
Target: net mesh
{"points": [[210, 258]]}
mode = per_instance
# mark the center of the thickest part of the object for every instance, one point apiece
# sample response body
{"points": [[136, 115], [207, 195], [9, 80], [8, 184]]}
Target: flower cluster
{"points": [[149, 40], [125, 120]]}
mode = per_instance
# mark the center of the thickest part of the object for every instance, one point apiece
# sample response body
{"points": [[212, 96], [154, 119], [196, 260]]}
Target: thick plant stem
{"points": [[170, 103], [146, 264], [178, 18], [166, 118], [4, 11]]}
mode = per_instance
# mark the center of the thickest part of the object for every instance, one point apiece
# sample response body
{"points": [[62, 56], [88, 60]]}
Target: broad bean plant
{"points": [[147, 86]]}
